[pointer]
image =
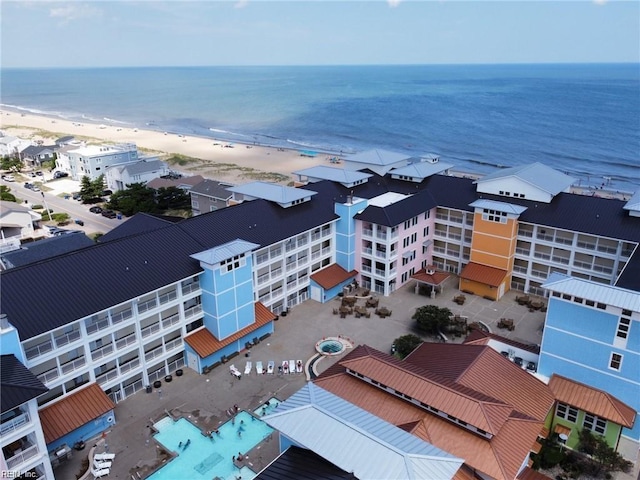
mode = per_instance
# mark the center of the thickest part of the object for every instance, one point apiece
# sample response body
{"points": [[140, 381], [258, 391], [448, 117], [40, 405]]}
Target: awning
{"points": [[562, 430], [427, 243]]}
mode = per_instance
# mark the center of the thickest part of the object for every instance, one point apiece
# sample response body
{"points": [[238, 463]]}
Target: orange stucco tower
{"points": [[493, 246]]}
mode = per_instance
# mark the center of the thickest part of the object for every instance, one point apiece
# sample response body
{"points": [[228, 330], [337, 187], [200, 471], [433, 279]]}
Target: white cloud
{"points": [[74, 11], [241, 3], [600, 2], [393, 3]]}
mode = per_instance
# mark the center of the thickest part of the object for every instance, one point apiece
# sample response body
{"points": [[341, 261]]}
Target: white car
{"points": [[9, 178]]}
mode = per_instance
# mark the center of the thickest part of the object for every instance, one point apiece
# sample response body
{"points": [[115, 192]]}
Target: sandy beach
{"points": [[221, 160]]}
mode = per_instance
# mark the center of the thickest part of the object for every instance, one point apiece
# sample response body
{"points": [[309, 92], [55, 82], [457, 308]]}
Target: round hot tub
{"points": [[331, 346]]}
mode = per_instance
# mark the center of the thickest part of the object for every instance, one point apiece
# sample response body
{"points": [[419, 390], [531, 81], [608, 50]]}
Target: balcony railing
{"points": [[367, 232], [172, 320], [604, 249], [15, 423], [151, 354], [562, 260], [190, 312], [150, 329], [519, 269], [366, 268], [263, 257], [49, 375], [22, 457], [192, 287], [39, 349], [107, 376], [73, 365], [525, 233], [586, 245], [170, 345], [67, 338], [98, 353], [546, 238], [147, 305], [98, 325], [125, 341], [125, 367], [315, 236], [121, 316], [543, 256], [167, 297]]}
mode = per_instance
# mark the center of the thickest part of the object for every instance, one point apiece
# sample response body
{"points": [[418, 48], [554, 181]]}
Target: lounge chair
{"points": [[270, 366], [285, 367], [247, 367], [299, 366], [235, 372], [259, 368], [104, 456], [99, 465], [100, 473], [292, 366]]}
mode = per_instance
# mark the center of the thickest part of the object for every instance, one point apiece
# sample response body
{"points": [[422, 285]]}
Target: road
{"points": [[93, 223]]}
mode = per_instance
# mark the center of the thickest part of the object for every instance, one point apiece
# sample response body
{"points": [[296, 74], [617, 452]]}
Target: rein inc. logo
{"points": [[17, 474]]}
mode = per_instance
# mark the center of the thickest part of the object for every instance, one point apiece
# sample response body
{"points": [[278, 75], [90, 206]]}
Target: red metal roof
{"points": [[204, 343], [73, 411], [484, 274], [332, 275], [435, 278], [592, 400], [478, 337]]}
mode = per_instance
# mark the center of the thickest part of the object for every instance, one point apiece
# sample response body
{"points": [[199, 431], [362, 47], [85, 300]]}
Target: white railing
{"points": [[49, 375], [150, 330], [366, 268], [125, 341], [440, 233], [15, 423], [67, 338], [133, 388], [100, 324], [367, 232], [315, 254], [171, 320], [604, 249], [121, 316], [39, 349], [586, 246], [173, 344], [275, 253], [544, 256], [519, 269], [522, 251], [315, 236], [563, 260], [263, 278], [73, 365], [380, 273], [192, 287], [151, 354], [107, 376], [167, 297], [147, 305], [130, 365], [98, 353], [190, 312], [525, 233], [546, 238], [381, 235], [22, 457], [263, 257]]}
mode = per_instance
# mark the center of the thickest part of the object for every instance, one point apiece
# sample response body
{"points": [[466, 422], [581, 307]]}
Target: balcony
{"points": [[190, 312], [192, 287], [107, 376], [126, 341], [367, 232], [171, 320], [15, 423], [167, 297], [172, 344], [49, 375], [315, 236], [39, 349], [73, 365], [263, 257], [126, 367], [586, 245], [150, 329], [366, 268], [98, 353], [121, 316], [23, 456], [151, 354], [275, 253], [147, 305], [67, 338], [98, 325]]}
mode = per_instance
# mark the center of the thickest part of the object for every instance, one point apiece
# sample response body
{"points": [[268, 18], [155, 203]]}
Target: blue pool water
{"points": [[267, 409], [206, 458]]}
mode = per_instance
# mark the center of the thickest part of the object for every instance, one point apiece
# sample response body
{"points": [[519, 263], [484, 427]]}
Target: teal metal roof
{"points": [[356, 440], [225, 251]]}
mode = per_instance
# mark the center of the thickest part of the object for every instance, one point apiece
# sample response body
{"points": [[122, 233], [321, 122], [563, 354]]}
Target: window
{"points": [[626, 313], [623, 327], [601, 306], [232, 263], [427, 214], [494, 216], [616, 361], [596, 424], [425, 232], [194, 204], [414, 221], [590, 303], [567, 412]]}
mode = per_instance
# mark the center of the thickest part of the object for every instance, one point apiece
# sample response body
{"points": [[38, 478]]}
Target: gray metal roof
{"points": [[634, 202], [143, 166], [272, 191], [223, 252], [614, 296], [357, 441], [46, 248], [212, 188], [421, 170], [499, 206], [537, 174], [340, 175], [378, 157]]}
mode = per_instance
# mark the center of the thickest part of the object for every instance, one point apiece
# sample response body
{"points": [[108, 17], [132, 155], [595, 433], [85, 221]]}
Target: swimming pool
{"points": [[204, 457], [267, 407]]}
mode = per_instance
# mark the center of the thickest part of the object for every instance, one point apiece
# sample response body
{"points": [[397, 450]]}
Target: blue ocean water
{"points": [[581, 119]]}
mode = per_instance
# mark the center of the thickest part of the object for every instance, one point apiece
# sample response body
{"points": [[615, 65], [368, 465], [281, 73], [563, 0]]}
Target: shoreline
{"points": [[219, 159]]}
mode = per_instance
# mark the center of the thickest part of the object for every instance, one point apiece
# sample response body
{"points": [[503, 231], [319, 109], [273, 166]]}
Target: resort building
{"points": [[80, 160], [592, 336], [465, 410], [157, 295]]}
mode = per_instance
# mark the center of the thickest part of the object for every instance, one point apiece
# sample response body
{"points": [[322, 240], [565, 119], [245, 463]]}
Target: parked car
{"points": [[60, 174], [9, 178], [80, 222], [95, 209], [106, 193], [109, 214], [35, 188], [39, 173], [28, 185], [76, 196]]}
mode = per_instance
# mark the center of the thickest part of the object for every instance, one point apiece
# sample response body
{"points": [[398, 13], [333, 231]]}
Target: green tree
{"points": [[431, 318], [11, 163], [172, 198], [136, 198], [601, 452], [6, 195], [406, 344], [91, 191]]}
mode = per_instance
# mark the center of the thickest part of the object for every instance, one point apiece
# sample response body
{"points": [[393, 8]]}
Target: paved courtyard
{"points": [[205, 399]]}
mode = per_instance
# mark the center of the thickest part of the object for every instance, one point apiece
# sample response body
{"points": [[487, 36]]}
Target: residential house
{"points": [[17, 222], [177, 181], [209, 195], [34, 155], [117, 177], [11, 145], [81, 160]]}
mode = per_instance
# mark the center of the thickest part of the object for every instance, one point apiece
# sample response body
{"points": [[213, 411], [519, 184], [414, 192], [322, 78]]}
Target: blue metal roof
{"points": [[223, 252], [537, 174], [272, 191]]}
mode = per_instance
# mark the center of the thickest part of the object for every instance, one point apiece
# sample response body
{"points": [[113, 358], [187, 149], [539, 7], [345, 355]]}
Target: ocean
{"points": [[582, 119]]}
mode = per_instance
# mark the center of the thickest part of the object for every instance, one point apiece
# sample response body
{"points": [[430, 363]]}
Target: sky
{"points": [[43, 33]]}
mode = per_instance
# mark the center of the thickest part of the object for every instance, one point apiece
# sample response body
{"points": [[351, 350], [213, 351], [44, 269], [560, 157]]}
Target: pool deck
{"points": [[206, 399]]}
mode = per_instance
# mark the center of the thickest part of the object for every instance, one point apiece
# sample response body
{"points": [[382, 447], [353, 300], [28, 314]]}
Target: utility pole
{"points": [[45, 205]]}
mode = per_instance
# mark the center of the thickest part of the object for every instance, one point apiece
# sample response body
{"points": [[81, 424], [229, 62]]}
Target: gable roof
{"points": [[19, 385], [332, 275], [212, 188], [421, 170], [228, 250], [357, 441], [539, 175], [378, 156], [272, 192], [340, 175], [592, 400], [479, 337], [499, 206], [182, 182], [142, 166], [633, 204], [73, 411]]}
